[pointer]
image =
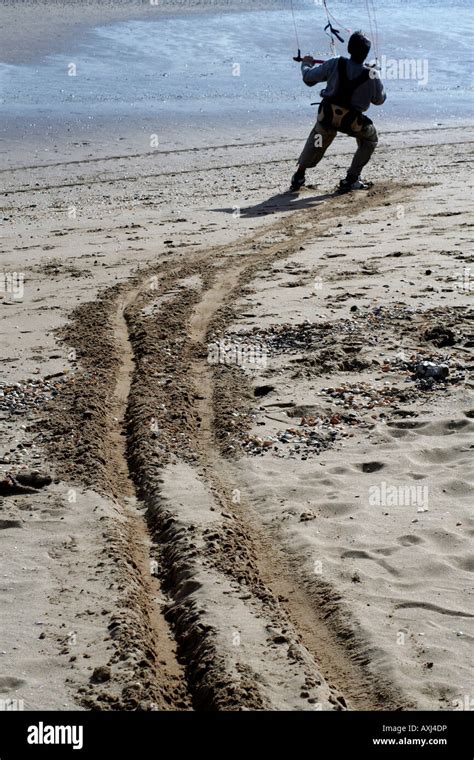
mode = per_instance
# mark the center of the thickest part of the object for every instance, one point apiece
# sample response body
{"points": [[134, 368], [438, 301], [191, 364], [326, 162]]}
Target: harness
{"points": [[336, 112]]}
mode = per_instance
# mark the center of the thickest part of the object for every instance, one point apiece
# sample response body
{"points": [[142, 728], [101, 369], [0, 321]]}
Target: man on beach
{"points": [[351, 88]]}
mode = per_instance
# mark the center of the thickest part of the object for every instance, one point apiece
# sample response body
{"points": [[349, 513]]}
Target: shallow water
{"points": [[238, 68]]}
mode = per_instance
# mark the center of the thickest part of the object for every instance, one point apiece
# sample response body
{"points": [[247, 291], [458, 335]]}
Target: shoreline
{"points": [[45, 108], [58, 24]]}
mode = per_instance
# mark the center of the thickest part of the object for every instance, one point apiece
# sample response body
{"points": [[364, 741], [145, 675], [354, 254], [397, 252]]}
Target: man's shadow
{"points": [[288, 201]]}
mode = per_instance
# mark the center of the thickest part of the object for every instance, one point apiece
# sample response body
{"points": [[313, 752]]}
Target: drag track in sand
{"points": [[217, 614]]}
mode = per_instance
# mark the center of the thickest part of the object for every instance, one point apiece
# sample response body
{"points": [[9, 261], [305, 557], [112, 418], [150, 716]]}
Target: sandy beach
{"points": [[254, 498]]}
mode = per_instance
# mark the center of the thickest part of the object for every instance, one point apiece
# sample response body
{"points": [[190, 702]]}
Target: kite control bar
{"points": [[298, 58]]}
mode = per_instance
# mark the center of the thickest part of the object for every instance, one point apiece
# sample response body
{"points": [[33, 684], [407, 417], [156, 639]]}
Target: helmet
{"points": [[358, 47]]}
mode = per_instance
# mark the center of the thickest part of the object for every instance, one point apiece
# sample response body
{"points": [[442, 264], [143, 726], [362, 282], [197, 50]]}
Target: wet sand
{"points": [[31, 29]]}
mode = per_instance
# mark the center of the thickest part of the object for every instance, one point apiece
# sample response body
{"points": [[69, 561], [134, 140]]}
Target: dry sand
{"points": [[185, 556], [264, 570]]}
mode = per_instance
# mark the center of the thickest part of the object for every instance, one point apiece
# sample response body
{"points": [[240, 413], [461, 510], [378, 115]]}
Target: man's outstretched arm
{"points": [[314, 74], [380, 95]]}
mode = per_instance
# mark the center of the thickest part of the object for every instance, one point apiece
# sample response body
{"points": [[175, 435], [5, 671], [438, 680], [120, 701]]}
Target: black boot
{"points": [[353, 183], [298, 179]]}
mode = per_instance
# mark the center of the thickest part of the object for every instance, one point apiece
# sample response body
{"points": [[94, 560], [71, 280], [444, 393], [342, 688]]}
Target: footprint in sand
{"points": [[339, 470], [407, 425], [436, 455], [387, 552], [8, 683], [354, 554], [464, 563], [336, 509], [409, 540], [370, 466], [400, 429]]}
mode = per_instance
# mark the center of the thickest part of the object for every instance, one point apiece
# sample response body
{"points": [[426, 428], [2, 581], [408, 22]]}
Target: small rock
{"points": [[33, 478], [101, 674]]}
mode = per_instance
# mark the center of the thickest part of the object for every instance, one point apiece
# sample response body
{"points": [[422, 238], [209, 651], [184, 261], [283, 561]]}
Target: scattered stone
{"points": [[23, 482], [10, 487], [440, 336], [23, 398], [302, 440], [263, 390], [101, 674], [33, 478], [427, 369], [307, 516]]}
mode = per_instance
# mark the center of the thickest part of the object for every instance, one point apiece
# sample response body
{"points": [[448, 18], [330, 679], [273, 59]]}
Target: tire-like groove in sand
{"points": [[160, 636], [336, 649], [331, 644], [85, 438], [336, 658]]}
